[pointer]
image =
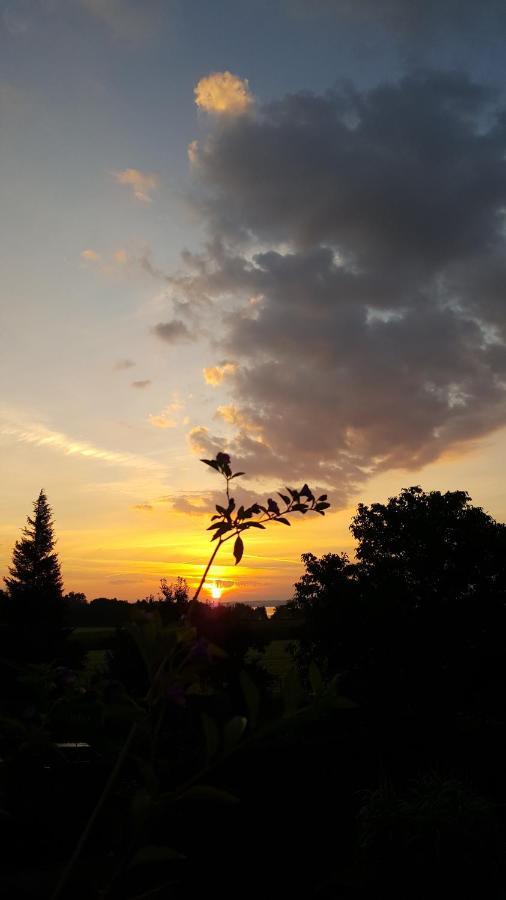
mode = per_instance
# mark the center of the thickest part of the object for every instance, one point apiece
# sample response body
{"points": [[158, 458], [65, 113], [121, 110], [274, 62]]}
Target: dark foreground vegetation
{"points": [[371, 764]]}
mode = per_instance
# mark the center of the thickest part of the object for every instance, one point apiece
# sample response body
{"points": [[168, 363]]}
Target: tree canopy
{"points": [[423, 605]]}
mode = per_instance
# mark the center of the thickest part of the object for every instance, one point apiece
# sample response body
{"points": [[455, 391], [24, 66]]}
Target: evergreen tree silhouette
{"points": [[35, 586]]}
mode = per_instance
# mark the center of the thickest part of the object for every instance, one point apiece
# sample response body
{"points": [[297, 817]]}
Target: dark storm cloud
{"points": [[362, 237]]}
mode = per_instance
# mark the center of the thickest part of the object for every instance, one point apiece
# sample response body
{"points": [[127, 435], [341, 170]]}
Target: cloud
{"points": [[40, 436], [233, 416], [372, 226], [143, 507], [193, 505], [214, 375], [90, 256], [166, 419], [419, 19], [127, 20], [163, 420], [142, 183], [122, 364], [141, 385], [173, 332], [224, 94]]}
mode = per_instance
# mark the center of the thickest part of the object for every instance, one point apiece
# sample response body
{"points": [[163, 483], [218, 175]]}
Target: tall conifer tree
{"points": [[35, 585]]}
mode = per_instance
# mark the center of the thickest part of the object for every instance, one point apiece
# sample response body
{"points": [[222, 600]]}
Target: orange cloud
{"points": [[223, 93], [234, 416], [90, 256], [165, 418], [142, 183], [214, 375]]}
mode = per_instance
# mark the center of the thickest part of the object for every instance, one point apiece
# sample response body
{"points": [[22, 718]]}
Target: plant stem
{"points": [[204, 576]]}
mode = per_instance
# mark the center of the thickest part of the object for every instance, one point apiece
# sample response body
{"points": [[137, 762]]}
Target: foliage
{"points": [[154, 772], [175, 593]]}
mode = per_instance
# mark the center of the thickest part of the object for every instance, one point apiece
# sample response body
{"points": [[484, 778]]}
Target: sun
{"points": [[216, 591]]}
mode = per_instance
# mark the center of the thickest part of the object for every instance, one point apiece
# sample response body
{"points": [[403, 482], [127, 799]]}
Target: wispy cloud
{"points": [[141, 385], [40, 436], [142, 183], [122, 364]]}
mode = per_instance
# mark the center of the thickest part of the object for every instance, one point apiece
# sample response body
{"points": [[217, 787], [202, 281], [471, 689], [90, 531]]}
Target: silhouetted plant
{"points": [[231, 522]]}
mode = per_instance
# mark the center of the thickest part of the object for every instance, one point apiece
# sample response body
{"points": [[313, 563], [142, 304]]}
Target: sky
{"points": [[275, 229]]}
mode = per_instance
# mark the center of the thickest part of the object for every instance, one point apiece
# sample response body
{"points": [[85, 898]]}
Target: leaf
{"points": [[251, 695], [233, 732], [300, 507], [211, 736], [315, 678], [155, 854], [272, 506], [281, 519], [320, 506], [222, 529], [237, 475], [238, 549], [139, 810], [291, 692], [148, 775], [209, 794], [216, 652], [284, 498], [323, 497], [211, 462], [255, 525], [221, 509]]}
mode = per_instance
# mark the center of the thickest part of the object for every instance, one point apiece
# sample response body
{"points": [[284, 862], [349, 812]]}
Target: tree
{"points": [[432, 546], [35, 585], [175, 594], [420, 615]]}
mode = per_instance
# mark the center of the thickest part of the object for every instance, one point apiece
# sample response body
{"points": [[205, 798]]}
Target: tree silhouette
{"points": [[35, 586], [419, 617]]}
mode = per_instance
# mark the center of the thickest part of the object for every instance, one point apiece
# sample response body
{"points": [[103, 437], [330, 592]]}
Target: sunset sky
{"points": [[274, 228]]}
